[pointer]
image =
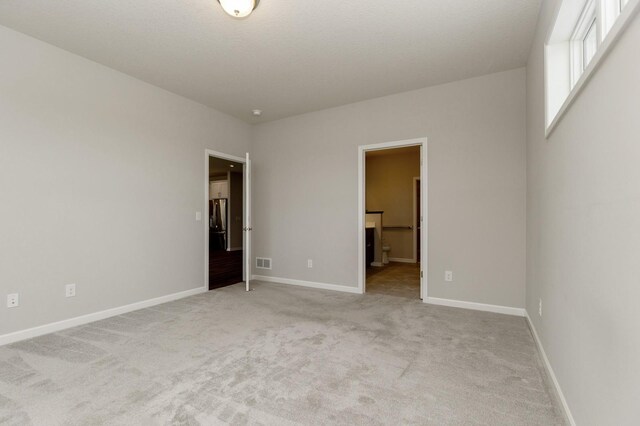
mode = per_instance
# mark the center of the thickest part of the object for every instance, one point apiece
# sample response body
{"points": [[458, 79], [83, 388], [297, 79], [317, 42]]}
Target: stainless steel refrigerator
{"points": [[218, 226]]}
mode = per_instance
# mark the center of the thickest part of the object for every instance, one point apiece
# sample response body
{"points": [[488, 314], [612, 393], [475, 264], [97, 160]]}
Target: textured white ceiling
{"points": [[289, 56]]}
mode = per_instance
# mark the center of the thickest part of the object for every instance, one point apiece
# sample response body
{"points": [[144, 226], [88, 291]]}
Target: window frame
{"points": [[565, 71], [592, 28], [587, 21]]}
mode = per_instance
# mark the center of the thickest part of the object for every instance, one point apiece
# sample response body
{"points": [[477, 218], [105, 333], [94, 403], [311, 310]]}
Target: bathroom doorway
{"points": [[392, 199]]}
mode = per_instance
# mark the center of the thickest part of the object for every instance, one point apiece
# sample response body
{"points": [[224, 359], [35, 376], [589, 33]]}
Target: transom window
{"points": [[589, 45], [582, 31], [584, 41]]}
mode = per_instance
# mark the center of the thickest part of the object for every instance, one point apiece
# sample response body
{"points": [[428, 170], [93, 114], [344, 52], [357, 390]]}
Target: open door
{"points": [[421, 245], [247, 222]]}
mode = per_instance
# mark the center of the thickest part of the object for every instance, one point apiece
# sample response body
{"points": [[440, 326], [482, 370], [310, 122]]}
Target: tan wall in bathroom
{"points": [[390, 189]]}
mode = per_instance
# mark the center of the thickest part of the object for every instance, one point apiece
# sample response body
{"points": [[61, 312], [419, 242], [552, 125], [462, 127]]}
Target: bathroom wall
{"points": [[390, 176]]}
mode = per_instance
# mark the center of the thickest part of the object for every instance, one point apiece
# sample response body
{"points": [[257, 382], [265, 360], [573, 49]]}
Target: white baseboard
{"points": [[311, 284], [234, 249], [96, 316], [401, 260], [477, 306], [377, 264], [547, 365]]}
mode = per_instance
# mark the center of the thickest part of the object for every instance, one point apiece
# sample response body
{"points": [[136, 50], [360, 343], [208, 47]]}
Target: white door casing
{"points": [[424, 184], [246, 270]]}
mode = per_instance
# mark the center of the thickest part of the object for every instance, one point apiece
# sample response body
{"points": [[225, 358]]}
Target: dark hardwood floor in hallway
{"points": [[225, 268]]}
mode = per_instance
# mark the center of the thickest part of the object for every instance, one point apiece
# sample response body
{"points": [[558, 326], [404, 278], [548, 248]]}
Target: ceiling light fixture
{"points": [[239, 8], [256, 112]]}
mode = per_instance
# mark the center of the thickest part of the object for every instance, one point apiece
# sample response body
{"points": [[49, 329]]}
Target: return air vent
{"points": [[263, 263]]}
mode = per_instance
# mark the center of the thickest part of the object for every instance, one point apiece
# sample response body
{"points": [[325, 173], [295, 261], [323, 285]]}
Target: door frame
{"points": [[208, 154], [415, 223], [424, 183]]}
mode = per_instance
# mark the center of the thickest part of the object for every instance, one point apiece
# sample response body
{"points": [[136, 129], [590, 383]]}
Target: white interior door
{"points": [[422, 224], [247, 222]]}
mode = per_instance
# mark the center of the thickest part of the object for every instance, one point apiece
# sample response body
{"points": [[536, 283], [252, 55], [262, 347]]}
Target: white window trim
{"points": [[592, 27], [617, 26], [587, 19], [609, 11]]}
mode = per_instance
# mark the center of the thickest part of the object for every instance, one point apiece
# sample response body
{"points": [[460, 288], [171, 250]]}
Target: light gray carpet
{"points": [[281, 355]]}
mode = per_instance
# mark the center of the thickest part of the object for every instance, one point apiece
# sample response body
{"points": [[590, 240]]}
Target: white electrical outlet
{"points": [[13, 300], [309, 263], [70, 290], [540, 307], [448, 276]]}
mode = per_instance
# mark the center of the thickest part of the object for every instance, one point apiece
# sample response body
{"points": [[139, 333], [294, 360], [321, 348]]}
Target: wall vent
{"points": [[263, 263]]}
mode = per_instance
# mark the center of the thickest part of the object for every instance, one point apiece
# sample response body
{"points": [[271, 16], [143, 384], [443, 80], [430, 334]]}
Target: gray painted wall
{"points": [[100, 179], [583, 229], [306, 182]]}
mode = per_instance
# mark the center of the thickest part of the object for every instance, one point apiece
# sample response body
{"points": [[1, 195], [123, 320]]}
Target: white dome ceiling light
{"points": [[239, 8]]}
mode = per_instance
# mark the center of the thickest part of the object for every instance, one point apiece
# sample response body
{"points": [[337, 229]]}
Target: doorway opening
{"points": [[392, 219], [226, 226]]}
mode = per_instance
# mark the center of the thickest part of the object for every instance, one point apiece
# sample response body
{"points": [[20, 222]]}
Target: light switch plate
{"points": [[198, 216]]}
